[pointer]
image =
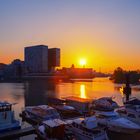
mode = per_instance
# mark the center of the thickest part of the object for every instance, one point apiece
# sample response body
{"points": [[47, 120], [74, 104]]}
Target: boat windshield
{"points": [[5, 108]]}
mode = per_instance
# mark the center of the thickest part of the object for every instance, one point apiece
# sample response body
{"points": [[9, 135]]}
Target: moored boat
{"points": [[7, 118], [53, 129], [104, 104], [86, 129], [37, 114], [82, 105], [67, 112], [116, 124], [131, 110]]}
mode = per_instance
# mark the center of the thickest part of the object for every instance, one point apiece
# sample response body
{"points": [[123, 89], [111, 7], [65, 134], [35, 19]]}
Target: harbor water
{"points": [[39, 92]]}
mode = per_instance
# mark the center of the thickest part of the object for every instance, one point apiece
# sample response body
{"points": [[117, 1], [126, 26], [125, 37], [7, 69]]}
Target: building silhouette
{"points": [[36, 59], [53, 58], [14, 70]]}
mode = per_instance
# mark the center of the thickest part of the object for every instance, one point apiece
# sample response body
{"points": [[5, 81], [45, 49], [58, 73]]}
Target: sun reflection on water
{"points": [[82, 91]]}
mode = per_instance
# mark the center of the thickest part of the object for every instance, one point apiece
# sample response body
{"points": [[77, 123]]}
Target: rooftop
{"points": [[36, 46]]}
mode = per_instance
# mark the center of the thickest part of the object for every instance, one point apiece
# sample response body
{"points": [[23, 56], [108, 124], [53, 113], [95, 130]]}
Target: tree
{"points": [[118, 75]]}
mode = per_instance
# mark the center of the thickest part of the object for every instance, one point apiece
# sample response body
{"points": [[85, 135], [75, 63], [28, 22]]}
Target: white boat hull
{"points": [[121, 125]]}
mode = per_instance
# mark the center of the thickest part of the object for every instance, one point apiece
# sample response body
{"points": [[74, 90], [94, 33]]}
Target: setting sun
{"points": [[82, 62]]}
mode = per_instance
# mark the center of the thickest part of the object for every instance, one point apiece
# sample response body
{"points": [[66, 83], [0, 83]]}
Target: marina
{"points": [[70, 70], [37, 107]]}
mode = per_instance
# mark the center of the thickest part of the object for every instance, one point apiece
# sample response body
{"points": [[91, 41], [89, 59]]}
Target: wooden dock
{"points": [[17, 133]]}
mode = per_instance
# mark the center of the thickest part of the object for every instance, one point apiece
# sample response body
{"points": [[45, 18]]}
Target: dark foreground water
{"points": [[39, 91]]}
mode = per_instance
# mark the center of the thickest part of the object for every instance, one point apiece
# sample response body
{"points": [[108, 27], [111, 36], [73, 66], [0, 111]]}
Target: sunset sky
{"points": [[104, 32]]}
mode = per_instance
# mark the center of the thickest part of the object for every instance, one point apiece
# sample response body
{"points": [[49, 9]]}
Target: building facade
{"points": [[36, 59], [53, 58]]}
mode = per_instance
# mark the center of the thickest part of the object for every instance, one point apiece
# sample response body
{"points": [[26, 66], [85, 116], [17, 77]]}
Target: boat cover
{"points": [[43, 111], [134, 101], [104, 104]]}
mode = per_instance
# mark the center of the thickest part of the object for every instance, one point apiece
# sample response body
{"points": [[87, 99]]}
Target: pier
{"points": [[17, 133]]}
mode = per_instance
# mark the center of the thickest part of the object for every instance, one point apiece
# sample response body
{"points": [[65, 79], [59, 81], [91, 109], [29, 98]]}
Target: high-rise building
{"points": [[36, 59], [53, 58]]}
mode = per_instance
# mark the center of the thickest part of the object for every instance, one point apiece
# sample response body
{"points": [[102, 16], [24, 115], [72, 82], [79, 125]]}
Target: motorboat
{"points": [[53, 129], [116, 123], [67, 111], [82, 105], [7, 118], [107, 116], [131, 110], [37, 114], [86, 129], [104, 103]]}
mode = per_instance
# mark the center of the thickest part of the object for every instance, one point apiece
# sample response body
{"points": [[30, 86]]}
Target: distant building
{"points": [[14, 70], [36, 59], [2, 67], [78, 72], [53, 58]]}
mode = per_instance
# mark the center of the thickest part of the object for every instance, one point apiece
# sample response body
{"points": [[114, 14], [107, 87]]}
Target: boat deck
{"points": [[17, 133]]}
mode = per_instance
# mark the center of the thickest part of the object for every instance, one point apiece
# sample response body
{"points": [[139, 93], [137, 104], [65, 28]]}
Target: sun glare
{"points": [[82, 62]]}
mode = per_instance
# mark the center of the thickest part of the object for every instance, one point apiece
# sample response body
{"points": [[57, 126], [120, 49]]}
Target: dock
{"points": [[17, 133]]}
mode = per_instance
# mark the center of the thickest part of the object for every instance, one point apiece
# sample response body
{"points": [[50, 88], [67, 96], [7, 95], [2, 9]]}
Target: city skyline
{"points": [[105, 33]]}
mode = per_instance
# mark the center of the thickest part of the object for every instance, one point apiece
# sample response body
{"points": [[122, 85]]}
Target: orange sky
{"points": [[106, 34]]}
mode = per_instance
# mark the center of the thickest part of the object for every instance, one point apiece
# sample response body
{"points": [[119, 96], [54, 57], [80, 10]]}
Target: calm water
{"points": [[37, 92]]}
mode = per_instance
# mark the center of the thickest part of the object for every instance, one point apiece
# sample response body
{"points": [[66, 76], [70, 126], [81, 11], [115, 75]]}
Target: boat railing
{"points": [[5, 108]]}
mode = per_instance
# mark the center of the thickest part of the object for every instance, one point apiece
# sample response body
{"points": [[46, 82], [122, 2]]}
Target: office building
{"points": [[36, 59], [53, 58]]}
